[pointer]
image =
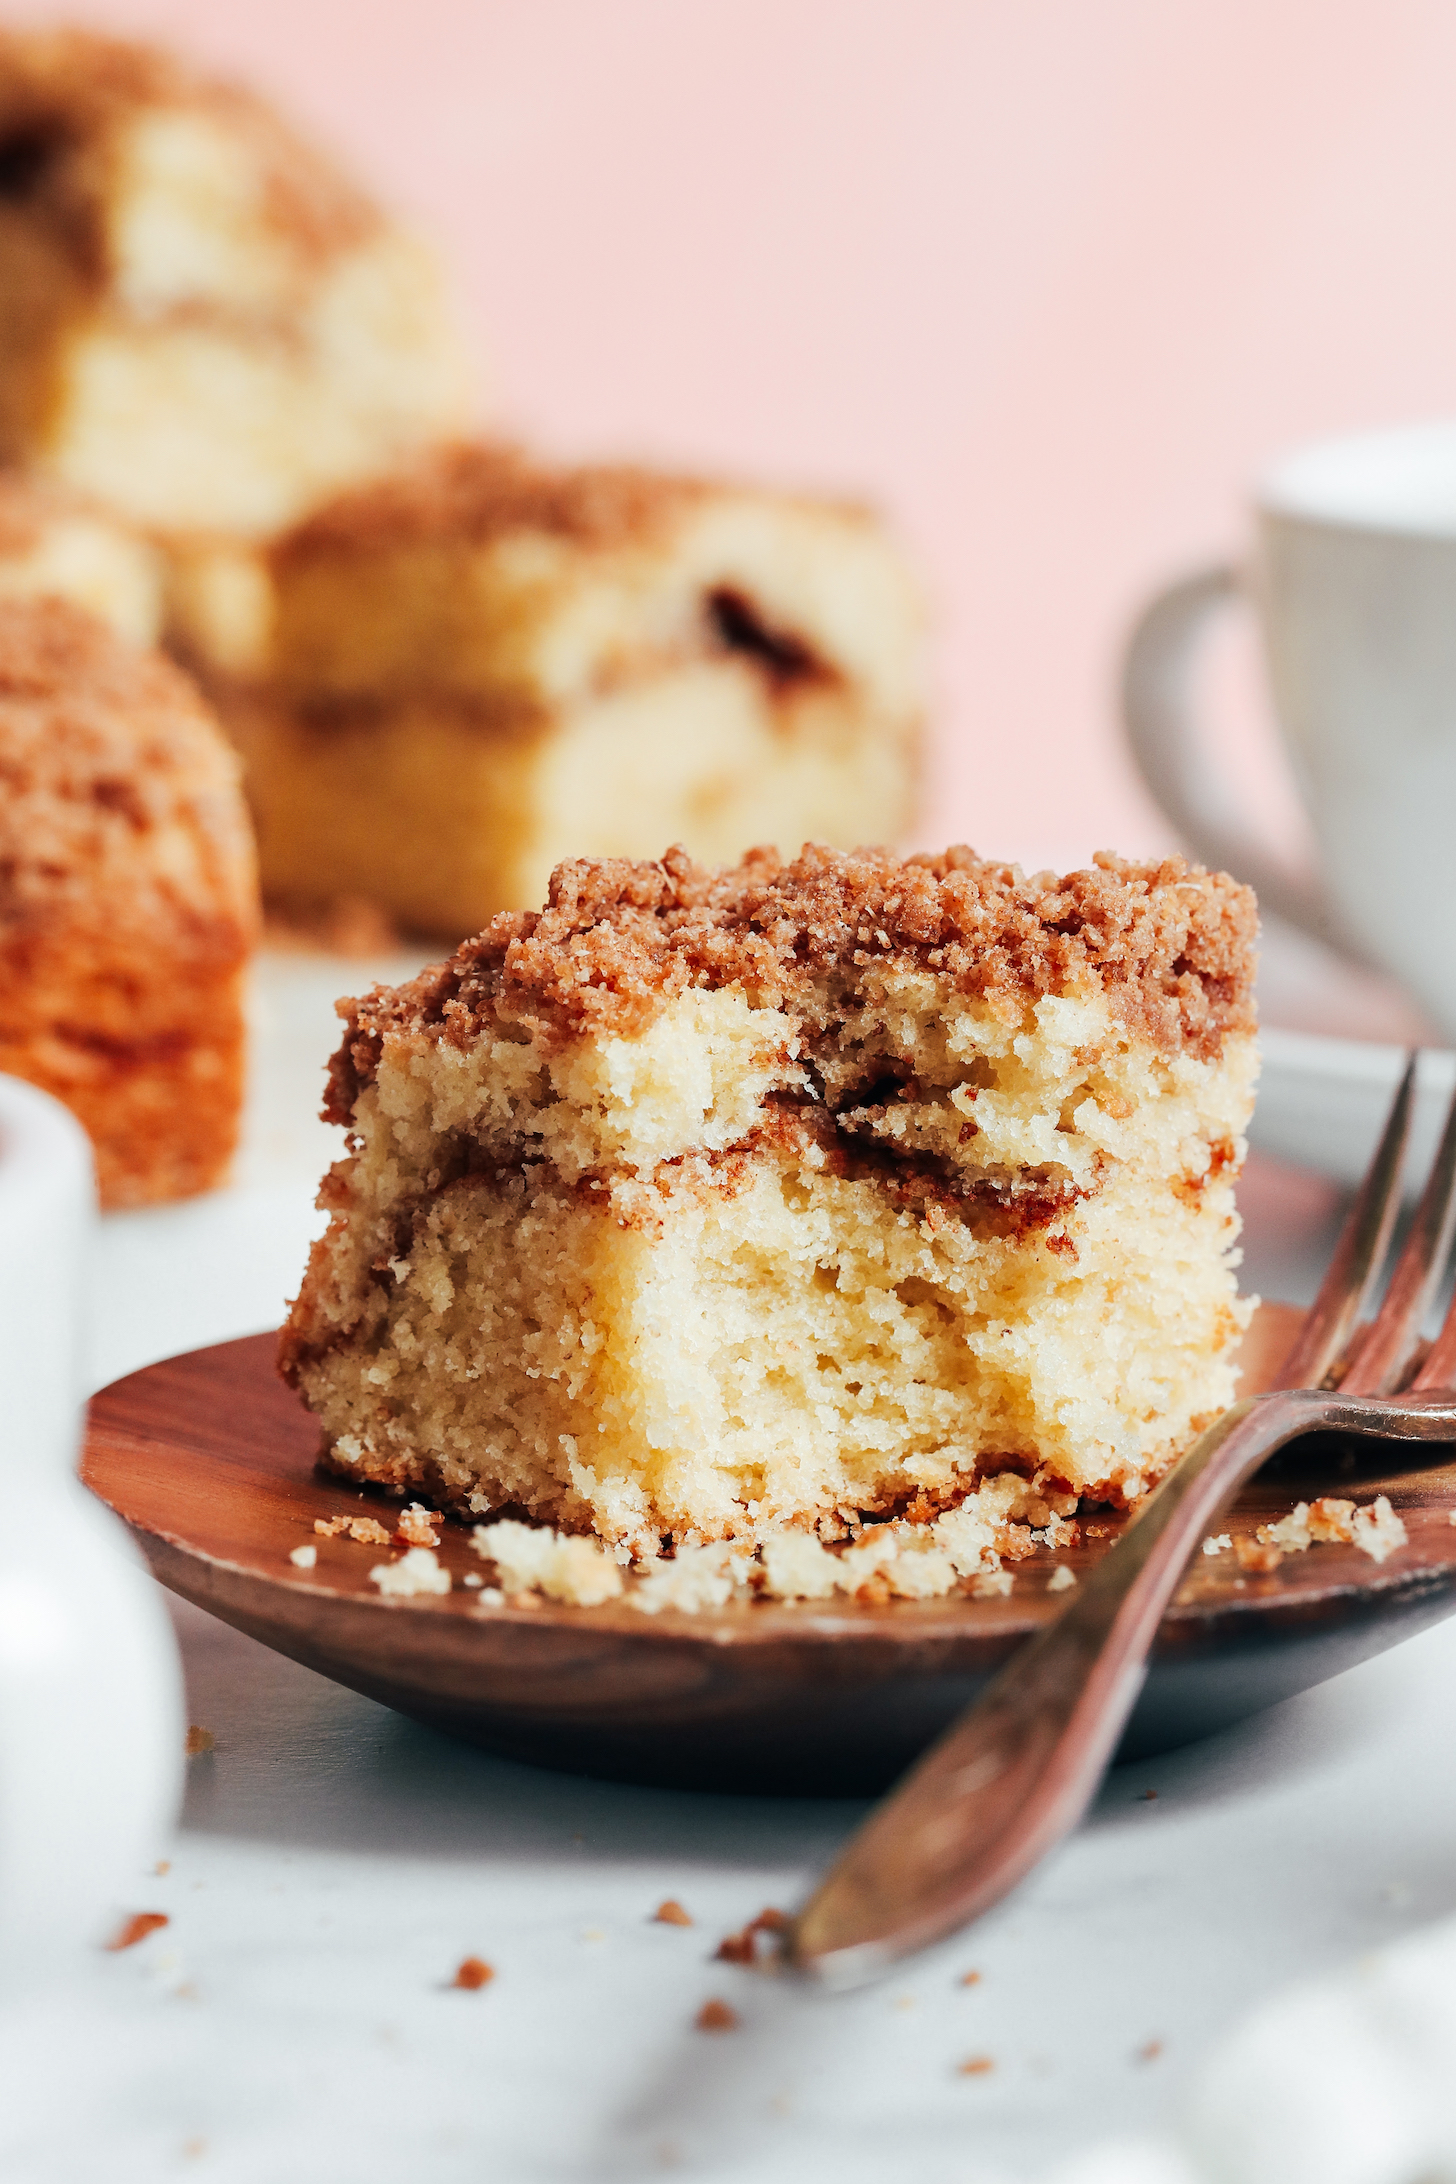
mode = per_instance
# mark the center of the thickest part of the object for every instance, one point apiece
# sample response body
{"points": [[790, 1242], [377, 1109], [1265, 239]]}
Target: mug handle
{"points": [[1175, 761]]}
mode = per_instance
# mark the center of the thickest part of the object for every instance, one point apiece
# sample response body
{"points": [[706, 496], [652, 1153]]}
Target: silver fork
{"points": [[1009, 1779]]}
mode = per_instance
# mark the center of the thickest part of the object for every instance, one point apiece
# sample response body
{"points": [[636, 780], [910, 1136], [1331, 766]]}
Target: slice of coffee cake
{"points": [[203, 322], [58, 545], [444, 683], [128, 900], [708, 1206]]}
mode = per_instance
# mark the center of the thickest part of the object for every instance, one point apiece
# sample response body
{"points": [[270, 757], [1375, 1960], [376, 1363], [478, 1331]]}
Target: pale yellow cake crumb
{"points": [[534, 1558], [1218, 1543], [368, 1531], [1378, 1531], [416, 1572], [417, 1526], [1373, 1527], [1292, 1533], [1062, 1579], [696, 1578], [995, 1585], [304, 1558]]}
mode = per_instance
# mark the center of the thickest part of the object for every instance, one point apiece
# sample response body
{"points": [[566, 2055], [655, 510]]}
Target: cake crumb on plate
{"points": [[417, 1526], [368, 1531], [416, 1572], [535, 1558], [1373, 1527]]}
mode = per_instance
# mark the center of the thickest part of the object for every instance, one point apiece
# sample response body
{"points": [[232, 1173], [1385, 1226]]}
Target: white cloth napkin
{"points": [[1344, 2080]]}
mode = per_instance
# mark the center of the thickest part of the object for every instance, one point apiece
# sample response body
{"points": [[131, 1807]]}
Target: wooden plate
{"points": [[210, 1461]]}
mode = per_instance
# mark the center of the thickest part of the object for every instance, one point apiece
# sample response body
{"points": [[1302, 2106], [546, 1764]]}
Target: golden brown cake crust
{"points": [[1173, 946], [26, 506], [127, 900], [469, 492], [63, 93]]}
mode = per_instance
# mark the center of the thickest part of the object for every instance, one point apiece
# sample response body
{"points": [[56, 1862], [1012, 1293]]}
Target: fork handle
{"points": [[1019, 1768]]}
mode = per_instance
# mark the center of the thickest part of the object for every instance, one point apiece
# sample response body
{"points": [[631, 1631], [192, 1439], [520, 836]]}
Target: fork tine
{"points": [[1438, 1373], [1360, 1252], [1386, 1352]]}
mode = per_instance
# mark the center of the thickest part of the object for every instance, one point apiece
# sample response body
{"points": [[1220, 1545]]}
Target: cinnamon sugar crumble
{"points": [[1170, 943], [469, 492]]}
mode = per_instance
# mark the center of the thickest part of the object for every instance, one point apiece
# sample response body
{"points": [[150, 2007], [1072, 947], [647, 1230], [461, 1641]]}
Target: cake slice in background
{"points": [[766, 1203], [446, 682], [203, 322], [128, 900], [57, 545]]}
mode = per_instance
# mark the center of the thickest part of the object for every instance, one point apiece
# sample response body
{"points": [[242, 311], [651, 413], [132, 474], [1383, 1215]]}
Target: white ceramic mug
{"points": [[1353, 576], [91, 1712]]}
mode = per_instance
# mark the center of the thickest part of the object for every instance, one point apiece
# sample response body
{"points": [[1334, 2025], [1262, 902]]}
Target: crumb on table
{"points": [[304, 1558], [137, 1928], [671, 1913], [472, 1972], [742, 1947], [200, 1740], [716, 2016]]}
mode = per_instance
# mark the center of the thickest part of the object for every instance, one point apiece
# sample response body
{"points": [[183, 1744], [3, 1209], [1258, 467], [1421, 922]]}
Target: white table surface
{"points": [[335, 1862]]}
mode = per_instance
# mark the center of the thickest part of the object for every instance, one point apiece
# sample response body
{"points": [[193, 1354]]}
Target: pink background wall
{"points": [[1049, 280]]}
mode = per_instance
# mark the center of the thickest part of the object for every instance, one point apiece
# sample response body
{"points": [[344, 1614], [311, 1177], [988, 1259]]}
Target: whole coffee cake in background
{"points": [[128, 900], [55, 544], [792, 1205], [202, 321], [445, 683]]}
